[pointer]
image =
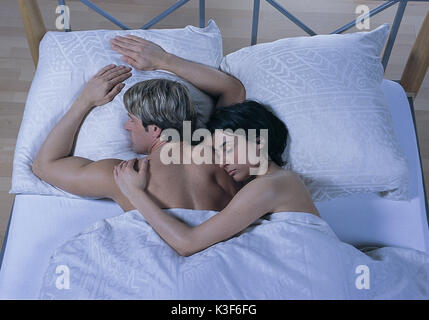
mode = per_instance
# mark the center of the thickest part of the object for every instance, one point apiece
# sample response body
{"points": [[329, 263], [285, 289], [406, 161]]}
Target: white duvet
{"points": [[287, 255]]}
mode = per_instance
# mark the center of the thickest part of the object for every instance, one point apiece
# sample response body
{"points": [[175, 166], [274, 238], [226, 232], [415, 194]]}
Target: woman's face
{"points": [[231, 153]]}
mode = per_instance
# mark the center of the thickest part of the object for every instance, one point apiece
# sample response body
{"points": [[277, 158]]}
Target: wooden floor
{"points": [[234, 18]]}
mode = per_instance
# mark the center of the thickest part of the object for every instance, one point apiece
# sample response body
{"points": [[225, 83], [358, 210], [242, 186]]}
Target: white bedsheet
{"points": [[287, 255], [40, 224]]}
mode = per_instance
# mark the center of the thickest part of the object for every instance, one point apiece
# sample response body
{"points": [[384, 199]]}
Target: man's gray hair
{"points": [[162, 102]]}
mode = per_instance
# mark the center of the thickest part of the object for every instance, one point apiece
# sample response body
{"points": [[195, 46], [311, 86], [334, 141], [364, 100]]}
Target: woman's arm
{"points": [[146, 55], [248, 205]]}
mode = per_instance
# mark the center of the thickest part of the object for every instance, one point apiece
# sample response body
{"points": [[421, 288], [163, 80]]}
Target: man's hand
{"points": [[105, 85], [146, 55], [139, 53], [130, 180]]}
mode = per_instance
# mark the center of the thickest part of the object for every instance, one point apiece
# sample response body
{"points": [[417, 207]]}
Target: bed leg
{"points": [[418, 62], [34, 26]]}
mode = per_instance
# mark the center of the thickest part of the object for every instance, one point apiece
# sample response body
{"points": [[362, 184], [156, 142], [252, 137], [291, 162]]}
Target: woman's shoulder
{"points": [[274, 182], [287, 192], [280, 177], [285, 181]]}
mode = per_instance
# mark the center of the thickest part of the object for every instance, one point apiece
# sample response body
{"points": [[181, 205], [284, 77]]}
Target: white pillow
{"points": [[67, 61], [327, 89]]}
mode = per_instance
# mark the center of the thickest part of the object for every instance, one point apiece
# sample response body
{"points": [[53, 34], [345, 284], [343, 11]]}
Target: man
{"points": [[204, 187]]}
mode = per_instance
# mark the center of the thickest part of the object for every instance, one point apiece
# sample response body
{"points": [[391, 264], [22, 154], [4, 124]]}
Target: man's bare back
{"points": [[189, 186]]}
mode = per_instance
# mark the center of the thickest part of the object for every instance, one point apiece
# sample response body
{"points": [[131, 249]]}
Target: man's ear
{"points": [[154, 131]]}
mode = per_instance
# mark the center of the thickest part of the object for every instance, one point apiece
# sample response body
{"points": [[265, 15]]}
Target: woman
{"points": [[264, 192]]}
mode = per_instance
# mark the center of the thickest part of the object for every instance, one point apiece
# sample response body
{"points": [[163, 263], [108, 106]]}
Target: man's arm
{"points": [[77, 175], [146, 55], [227, 89]]}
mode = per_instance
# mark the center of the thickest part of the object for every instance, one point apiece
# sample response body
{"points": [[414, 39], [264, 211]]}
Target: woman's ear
{"points": [[260, 142], [262, 146]]}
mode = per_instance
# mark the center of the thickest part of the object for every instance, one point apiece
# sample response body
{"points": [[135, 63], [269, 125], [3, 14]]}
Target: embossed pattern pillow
{"points": [[67, 61], [327, 89]]}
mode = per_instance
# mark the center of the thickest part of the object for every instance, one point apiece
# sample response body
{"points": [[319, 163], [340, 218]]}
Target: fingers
{"points": [[114, 78], [117, 79], [113, 92], [126, 43], [144, 165], [131, 39], [116, 45], [106, 68], [117, 168], [125, 51], [126, 164], [116, 72], [115, 87], [130, 164], [136, 39], [131, 62], [115, 172]]}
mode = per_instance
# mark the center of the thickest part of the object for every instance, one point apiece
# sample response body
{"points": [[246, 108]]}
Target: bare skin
{"points": [[172, 185], [273, 191], [191, 186], [150, 188], [287, 191]]}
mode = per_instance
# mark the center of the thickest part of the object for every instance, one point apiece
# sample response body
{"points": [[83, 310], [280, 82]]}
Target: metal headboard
{"points": [[174, 7], [402, 4]]}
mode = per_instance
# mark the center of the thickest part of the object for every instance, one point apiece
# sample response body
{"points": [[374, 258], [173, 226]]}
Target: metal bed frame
{"points": [[255, 23], [402, 4]]}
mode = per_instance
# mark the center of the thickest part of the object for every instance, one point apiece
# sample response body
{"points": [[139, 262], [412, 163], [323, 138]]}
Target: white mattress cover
{"points": [[41, 223], [367, 219]]}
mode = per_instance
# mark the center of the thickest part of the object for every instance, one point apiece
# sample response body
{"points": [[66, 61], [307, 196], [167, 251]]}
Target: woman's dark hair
{"points": [[251, 114]]}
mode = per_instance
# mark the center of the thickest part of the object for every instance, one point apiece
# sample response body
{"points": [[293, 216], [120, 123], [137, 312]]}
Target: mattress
{"points": [[39, 224], [367, 219]]}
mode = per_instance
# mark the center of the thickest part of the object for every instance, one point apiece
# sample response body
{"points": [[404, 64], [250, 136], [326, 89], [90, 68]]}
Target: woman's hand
{"points": [[140, 53], [128, 179], [105, 85]]}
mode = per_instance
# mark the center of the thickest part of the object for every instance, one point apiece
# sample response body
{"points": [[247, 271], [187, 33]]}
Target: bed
{"points": [[36, 228]]}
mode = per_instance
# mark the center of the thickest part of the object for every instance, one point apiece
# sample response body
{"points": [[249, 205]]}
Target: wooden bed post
{"points": [[418, 62], [34, 27]]}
